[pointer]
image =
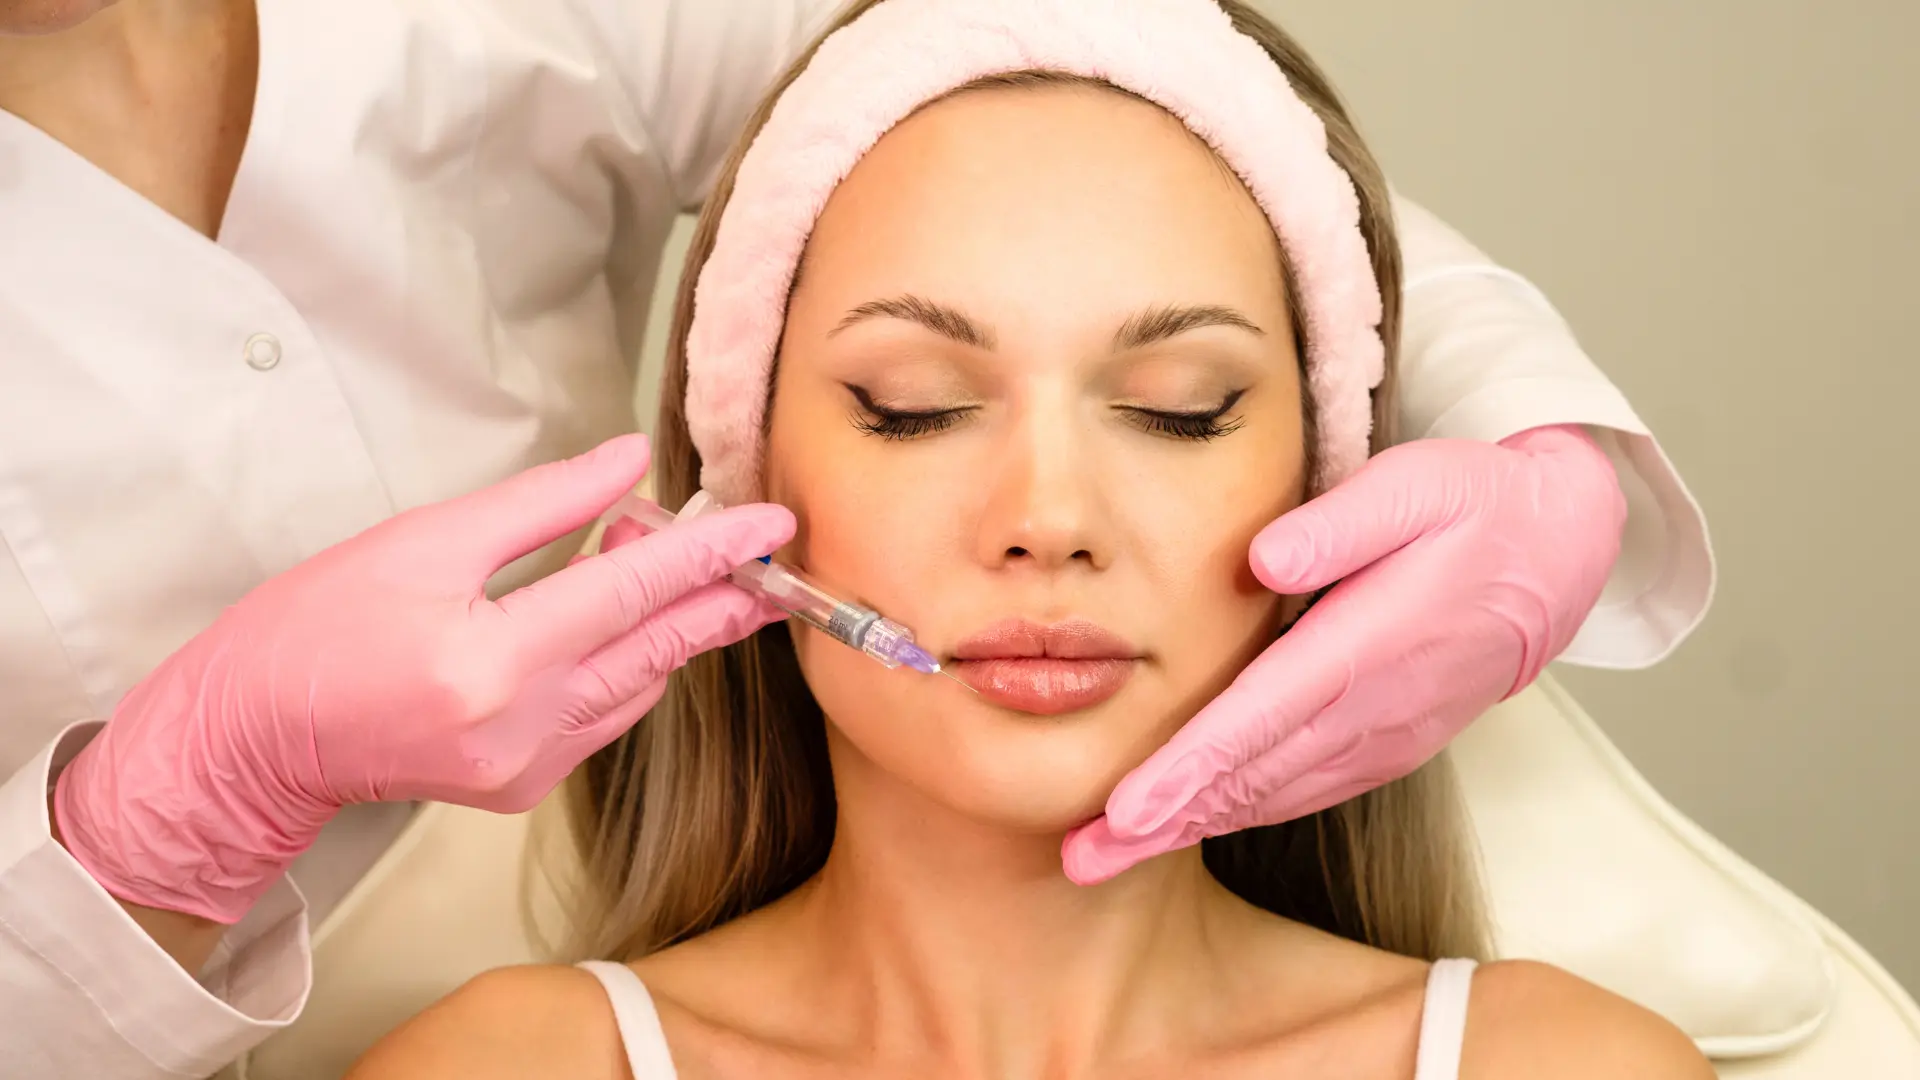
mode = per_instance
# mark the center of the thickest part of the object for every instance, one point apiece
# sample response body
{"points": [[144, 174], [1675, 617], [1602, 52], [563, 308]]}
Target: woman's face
{"points": [[1037, 393]]}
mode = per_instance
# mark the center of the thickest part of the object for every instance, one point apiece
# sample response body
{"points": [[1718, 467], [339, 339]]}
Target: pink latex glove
{"points": [[378, 670], [1467, 566]]}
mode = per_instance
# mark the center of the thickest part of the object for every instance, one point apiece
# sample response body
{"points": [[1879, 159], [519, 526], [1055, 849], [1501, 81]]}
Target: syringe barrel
{"points": [[786, 589]]}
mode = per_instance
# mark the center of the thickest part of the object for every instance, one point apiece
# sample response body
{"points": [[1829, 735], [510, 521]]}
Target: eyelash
{"points": [[901, 425], [907, 425], [896, 424], [1198, 427]]}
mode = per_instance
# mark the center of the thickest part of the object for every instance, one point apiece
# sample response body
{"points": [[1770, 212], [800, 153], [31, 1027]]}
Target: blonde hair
{"points": [[721, 799]]}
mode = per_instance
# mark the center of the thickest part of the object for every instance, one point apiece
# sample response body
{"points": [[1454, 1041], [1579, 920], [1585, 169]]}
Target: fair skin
{"points": [[157, 94], [941, 938]]}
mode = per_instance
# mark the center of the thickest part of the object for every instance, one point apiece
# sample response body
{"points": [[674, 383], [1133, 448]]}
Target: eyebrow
{"points": [[939, 318], [1150, 326], [1161, 323]]}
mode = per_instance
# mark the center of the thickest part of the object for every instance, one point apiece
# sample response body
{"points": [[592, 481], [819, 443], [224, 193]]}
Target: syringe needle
{"points": [[958, 679]]}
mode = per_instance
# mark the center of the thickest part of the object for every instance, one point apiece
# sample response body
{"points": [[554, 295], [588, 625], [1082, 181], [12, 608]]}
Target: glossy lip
{"points": [[1045, 670]]}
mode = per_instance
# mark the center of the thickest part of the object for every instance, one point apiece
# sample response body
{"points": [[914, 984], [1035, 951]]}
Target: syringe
{"points": [[860, 627]]}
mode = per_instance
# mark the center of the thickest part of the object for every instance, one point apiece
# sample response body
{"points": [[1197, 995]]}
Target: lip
{"points": [[1045, 670]]}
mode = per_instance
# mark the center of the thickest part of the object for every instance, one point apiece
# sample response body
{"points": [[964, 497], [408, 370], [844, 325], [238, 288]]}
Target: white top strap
{"points": [[1443, 1020], [639, 1024]]}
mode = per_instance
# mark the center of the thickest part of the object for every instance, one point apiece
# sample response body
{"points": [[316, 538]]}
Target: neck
{"points": [[124, 55], [156, 93], [966, 940]]}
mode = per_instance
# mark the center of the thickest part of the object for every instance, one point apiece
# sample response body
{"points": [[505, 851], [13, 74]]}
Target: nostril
{"points": [[1017, 552], [1084, 554]]}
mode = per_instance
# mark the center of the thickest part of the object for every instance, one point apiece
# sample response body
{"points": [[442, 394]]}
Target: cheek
{"points": [[871, 533], [862, 529], [1193, 528], [1214, 619]]}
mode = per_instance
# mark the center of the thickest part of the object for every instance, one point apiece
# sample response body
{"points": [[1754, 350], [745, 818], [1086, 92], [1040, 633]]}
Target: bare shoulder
{"points": [[1529, 1019], [506, 1024]]}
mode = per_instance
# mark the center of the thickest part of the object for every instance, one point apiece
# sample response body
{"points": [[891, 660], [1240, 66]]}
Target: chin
{"points": [[1026, 777], [1042, 809]]}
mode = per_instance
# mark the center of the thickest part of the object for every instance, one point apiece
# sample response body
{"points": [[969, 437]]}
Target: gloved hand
{"points": [[1467, 567], [378, 671]]}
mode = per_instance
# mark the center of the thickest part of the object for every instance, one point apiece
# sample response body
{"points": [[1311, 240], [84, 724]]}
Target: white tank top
{"points": [[1443, 1020]]}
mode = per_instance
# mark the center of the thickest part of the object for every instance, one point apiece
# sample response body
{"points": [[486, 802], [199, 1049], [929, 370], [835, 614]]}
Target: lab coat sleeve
{"points": [[691, 73], [84, 992], [1484, 355]]}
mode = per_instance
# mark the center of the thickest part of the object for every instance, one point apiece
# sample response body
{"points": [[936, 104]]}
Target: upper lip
{"points": [[1022, 639]]}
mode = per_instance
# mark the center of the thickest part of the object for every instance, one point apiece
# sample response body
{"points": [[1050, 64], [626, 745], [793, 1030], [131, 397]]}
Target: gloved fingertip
{"points": [[620, 448], [756, 529], [1549, 437], [623, 459], [1145, 801], [1281, 563], [1089, 855], [1129, 816], [779, 520]]}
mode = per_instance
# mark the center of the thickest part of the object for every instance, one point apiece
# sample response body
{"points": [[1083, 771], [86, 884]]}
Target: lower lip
{"points": [[1044, 686]]}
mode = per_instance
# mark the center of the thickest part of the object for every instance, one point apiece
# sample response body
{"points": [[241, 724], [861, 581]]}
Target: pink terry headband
{"points": [[1183, 55]]}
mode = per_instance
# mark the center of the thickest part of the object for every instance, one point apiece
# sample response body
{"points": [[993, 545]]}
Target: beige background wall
{"points": [[1723, 196]]}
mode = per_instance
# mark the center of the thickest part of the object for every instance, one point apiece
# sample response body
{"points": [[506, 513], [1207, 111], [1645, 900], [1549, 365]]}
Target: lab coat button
{"points": [[263, 352]]}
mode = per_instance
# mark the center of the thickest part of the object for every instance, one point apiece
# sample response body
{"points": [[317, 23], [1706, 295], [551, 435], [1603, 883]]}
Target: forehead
{"points": [[1039, 187]]}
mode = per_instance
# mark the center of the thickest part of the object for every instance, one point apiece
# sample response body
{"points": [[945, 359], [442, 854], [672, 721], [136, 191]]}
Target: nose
{"points": [[1045, 508]]}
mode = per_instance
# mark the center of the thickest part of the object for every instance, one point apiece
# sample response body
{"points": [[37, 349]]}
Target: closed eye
{"points": [[1195, 426], [874, 418]]}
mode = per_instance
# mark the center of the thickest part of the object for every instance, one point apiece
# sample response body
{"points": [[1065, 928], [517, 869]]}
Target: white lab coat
{"points": [[432, 273]]}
